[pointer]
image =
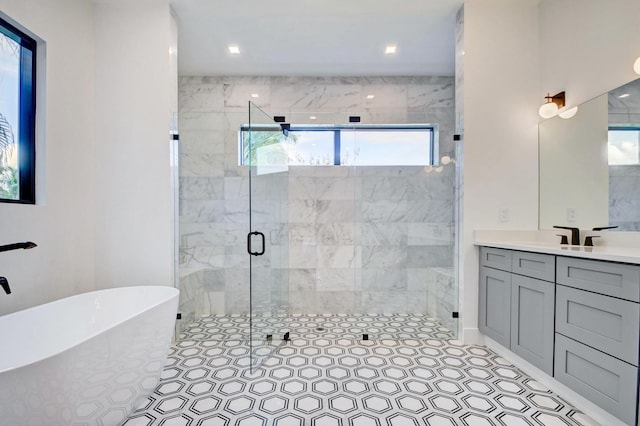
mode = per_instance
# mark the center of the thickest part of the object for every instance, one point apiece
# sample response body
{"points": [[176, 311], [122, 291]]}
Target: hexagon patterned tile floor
{"points": [[330, 380], [327, 326]]}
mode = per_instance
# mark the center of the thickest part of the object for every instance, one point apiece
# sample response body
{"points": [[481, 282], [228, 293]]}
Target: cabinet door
{"points": [[603, 379], [495, 305], [534, 265], [613, 279], [532, 313], [495, 258], [605, 323]]}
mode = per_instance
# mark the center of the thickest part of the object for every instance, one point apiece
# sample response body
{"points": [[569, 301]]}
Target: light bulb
{"points": [[636, 66], [445, 160], [568, 112], [548, 110]]}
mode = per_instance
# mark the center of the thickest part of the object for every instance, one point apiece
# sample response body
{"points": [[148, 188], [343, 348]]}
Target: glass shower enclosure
{"points": [[265, 152], [275, 246]]}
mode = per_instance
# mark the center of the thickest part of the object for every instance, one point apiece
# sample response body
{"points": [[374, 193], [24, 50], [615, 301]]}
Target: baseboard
{"points": [[575, 399], [472, 336]]}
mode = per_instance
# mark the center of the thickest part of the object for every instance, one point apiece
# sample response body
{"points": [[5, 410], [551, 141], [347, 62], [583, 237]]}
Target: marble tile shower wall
{"points": [[624, 197], [369, 239]]}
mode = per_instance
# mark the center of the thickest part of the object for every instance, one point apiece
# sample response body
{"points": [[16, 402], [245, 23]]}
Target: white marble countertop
{"points": [[543, 242]]}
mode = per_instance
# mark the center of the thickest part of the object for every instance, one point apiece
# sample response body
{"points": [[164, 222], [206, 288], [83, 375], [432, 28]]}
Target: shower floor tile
{"points": [[327, 326], [326, 381]]}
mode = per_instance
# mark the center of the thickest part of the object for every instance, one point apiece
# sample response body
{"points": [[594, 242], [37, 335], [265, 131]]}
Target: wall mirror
{"points": [[590, 164]]}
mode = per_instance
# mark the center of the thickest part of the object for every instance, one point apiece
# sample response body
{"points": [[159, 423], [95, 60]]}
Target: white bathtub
{"points": [[84, 360]]}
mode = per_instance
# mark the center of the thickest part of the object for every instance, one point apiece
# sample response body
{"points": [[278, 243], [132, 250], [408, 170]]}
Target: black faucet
{"points": [[575, 234], [602, 228], [5, 285], [588, 241], [16, 246]]}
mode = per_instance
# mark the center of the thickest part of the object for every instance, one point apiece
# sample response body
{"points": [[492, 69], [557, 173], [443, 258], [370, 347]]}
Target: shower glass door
{"points": [[266, 153]]}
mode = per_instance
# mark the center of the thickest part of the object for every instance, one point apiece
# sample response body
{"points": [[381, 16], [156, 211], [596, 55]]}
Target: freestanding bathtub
{"points": [[88, 359]]}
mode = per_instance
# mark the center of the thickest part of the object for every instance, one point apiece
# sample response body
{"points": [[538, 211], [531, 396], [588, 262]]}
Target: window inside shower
{"points": [[352, 145]]}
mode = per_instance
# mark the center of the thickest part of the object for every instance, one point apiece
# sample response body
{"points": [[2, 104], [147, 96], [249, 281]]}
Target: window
{"points": [[361, 145], [17, 115], [624, 146]]}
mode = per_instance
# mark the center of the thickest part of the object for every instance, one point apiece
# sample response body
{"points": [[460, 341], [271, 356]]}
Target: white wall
{"points": [[62, 226], [500, 138], [104, 215], [587, 46], [134, 209]]}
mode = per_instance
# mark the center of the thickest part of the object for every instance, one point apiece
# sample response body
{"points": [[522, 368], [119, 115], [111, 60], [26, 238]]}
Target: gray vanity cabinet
{"points": [[532, 313], [495, 305], [516, 306], [598, 332], [575, 319]]}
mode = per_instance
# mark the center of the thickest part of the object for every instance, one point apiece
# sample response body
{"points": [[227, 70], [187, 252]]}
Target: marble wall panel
{"points": [[335, 279], [338, 97], [384, 211], [335, 302], [430, 256], [237, 96], [201, 188], [384, 279], [384, 234], [201, 164], [336, 233], [386, 302], [395, 257], [624, 197], [301, 280], [352, 230], [336, 256], [427, 96], [426, 234], [200, 94]]}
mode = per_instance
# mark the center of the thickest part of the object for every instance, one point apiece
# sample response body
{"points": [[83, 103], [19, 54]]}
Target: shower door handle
{"points": [[255, 253]]}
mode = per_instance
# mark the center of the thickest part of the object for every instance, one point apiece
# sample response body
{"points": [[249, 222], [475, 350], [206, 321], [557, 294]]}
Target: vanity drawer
{"points": [[605, 323], [606, 381], [534, 265], [495, 258], [613, 279]]}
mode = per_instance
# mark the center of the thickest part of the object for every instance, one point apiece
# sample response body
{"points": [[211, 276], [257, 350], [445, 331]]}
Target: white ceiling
{"points": [[316, 38]]}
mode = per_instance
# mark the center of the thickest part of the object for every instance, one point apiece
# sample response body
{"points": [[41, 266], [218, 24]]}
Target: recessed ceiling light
{"points": [[371, 96], [390, 49], [312, 117], [626, 95], [234, 50], [255, 95]]}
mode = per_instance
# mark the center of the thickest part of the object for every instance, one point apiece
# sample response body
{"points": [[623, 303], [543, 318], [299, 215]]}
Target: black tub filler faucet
{"points": [[4, 283]]}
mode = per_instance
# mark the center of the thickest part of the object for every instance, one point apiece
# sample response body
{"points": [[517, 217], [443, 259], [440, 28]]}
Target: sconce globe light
{"points": [[636, 66], [568, 112], [551, 106], [548, 110]]}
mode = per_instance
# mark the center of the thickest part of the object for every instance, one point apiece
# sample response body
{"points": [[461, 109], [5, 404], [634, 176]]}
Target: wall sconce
{"points": [[445, 160], [551, 106], [636, 66]]}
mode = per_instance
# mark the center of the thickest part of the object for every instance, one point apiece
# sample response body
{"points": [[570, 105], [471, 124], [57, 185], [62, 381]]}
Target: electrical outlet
{"points": [[503, 214], [571, 214]]}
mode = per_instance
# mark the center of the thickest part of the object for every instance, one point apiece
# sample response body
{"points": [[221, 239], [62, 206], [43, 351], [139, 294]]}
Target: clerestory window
{"points": [[333, 145]]}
